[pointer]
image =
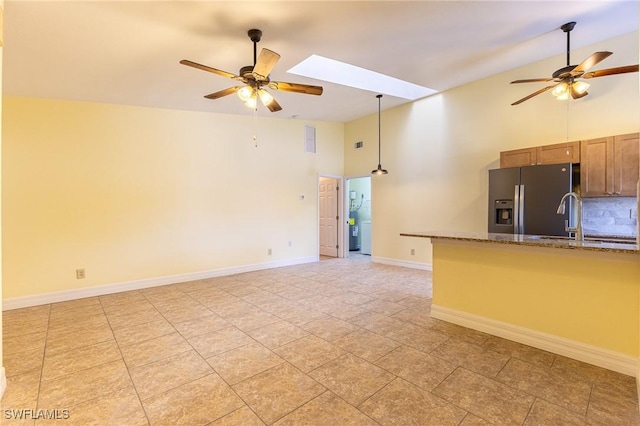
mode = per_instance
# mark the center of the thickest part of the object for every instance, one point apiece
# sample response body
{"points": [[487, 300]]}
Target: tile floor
{"points": [[338, 342]]}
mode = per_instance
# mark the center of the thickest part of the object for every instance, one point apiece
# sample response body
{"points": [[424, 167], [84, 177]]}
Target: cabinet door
{"points": [[596, 167], [518, 158], [558, 153], [625, 159]]}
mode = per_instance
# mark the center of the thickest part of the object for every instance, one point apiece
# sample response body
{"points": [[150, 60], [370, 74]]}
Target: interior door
{"points": [[328, 189]]}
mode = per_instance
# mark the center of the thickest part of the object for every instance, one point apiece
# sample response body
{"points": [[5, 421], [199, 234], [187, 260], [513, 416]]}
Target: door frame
{"points": [[340, 229], [345, 211]]}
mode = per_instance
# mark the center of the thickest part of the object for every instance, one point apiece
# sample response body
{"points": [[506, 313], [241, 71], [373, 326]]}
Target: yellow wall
{"points": [[131, 193], [566, 293], [438, 149]]}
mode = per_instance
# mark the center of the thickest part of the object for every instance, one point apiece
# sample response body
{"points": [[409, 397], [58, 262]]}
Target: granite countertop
{"points": [[531, 240]]}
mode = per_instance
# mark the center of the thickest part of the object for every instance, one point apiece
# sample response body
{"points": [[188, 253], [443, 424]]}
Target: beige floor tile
{"points": [[382, 306], [419, 368], [251, 319], [472, 357], [403, 403], [351, 378], [277, 334], [195, 403], [417, 316], [62, 363], [276, 392], [459, 333], [80, 386], [241, 363], [326, 409], [366, 345], [422, 339], [520, 351], [545, 413], [154, 349], [219, 341], [473, 420], [178, 302], [120, 407], [611, 404], [329, 328], [130, 301], [377, 323], [301, 315], [126, 318], [201, 325], [22, 327], [21, 392], [23, 353], [309, 352], [592, 374], [194, 312], [71, 324], [566, 391], [141, 332], [169, 373], [66, 340], [243, 416], [485, 397]]}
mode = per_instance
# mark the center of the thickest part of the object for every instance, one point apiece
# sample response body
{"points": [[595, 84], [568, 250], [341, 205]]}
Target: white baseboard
{"points": [[3, 382], [601, 357], [64, 295], [403, 263]]}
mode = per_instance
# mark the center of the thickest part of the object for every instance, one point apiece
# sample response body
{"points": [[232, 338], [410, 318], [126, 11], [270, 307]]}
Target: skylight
{"points": [[333, 71]]}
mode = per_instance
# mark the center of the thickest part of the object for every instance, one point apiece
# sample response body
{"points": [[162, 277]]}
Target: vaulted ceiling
{"points": [[127, 52]]}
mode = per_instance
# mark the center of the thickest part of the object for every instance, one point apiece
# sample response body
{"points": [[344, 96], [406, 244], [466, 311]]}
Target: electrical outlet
{"points": [[413, 252], [80, 274], [268, 252], [633, 213], [290, 243]]}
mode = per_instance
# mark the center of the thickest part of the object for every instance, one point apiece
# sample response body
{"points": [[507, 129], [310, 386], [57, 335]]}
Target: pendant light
{"points": [[379, 170]]}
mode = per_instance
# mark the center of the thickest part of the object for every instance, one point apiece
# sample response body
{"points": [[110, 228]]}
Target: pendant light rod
{"points": [[379, 170]]}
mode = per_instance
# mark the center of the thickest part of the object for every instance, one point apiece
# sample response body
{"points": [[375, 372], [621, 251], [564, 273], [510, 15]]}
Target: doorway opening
{"points": [[358, 225]]}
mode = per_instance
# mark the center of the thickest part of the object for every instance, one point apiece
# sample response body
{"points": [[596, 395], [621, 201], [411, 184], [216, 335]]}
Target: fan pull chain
{"points": [[567, 130], [255, 127]]}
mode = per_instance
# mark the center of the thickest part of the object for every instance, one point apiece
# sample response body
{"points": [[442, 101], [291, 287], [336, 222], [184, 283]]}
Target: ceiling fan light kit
{"points": [[256, 78], [379, 170], [566, 80]]}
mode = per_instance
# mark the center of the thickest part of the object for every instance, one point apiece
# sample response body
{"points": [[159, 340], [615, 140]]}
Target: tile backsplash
{"points": [[610, 216]]}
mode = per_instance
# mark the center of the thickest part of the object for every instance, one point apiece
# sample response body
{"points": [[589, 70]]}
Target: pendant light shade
{"points": [[379, 170]]}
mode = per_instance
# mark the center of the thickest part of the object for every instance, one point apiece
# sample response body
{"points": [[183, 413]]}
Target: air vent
{"points": [[358, 145], [310, 139]]}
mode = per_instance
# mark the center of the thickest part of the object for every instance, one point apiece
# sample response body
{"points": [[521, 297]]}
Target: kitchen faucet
{"points": [[577, 229]]}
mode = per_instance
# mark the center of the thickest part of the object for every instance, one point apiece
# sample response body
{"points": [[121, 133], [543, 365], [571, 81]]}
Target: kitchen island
{"points": [[573, 298]]}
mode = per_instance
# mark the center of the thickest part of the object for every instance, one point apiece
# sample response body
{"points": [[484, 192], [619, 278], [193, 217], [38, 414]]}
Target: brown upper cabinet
{"points": [[568, 152], [609, 166], [518, 157]]}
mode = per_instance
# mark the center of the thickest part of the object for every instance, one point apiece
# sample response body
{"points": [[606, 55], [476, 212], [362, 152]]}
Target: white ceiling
{"points": [[127, 52]]}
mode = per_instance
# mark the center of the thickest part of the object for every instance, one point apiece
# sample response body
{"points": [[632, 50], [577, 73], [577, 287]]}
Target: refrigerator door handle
{"points": [[521, 209], [516, 210]]}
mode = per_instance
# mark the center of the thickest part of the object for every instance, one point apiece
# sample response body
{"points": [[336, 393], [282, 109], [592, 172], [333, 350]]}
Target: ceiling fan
{"points": [[256, 78], [566, 80]]}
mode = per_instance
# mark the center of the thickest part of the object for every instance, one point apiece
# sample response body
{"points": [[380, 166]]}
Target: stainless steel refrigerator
{"points": [[524, 200]]}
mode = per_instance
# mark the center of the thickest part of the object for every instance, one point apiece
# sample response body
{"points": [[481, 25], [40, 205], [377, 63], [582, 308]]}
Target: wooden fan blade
{"points": [[536, 93], [296, 88], [266, 61], [224, 92], [611, 71], [590, 62], [209, 69], [532, 80]]}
